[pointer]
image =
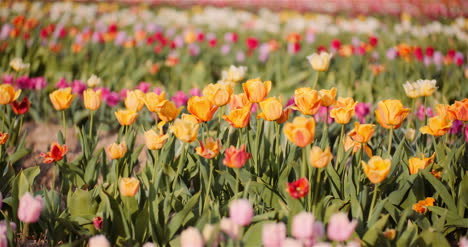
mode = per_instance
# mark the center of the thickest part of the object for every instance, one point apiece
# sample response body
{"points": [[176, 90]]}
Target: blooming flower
{"points": [[390, 113], [307, 101], [319, 158], [320, 62], [256, 90], [343, 110], [191, 237], [421, 206], [126, 117], [416, 163], [272, 109], [273, 234], [362, 132], [55, 154], [437, 126], [236, 158], [239, 118], [340, 228], [376, 169], [209, 149], [299, 188], [8, 94], [301, 131], [20, 108], [116, 151], [62, 98], [129, 186], [179, 98], [185, 129], [155, 141], [202, 108], [306, 229], [3, 138], [241, 212]]}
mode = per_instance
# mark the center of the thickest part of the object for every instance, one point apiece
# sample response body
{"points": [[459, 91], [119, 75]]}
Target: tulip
{"points": [[202, 108], [320, 62], [272, 109], [319, 158], [61, 98], [273, 234], [416, 163], [362, 132], [29, 208], [412, 90], [97, 222], [241, 212], [463, 240], [459, 110], [93, 81], [256, 90], [92, 99], [376, 169], [327, 97], [340, 228], [180, 98], [239, 118], [236, 158], [116, 151], [55, 154], [391, 113], [299, 188], [219, 93], [153, 101], [290, 242], [210, 234], [191, 237], [168, 111], [390, 234], [99, 241], [343, 110], [17, 64], [426, 87], [284, 116], [126, 117], [229, 227], [208, 150], [20, 108], [185, 130], [238, 101], [421, 206], [437, 126], [301, 131], [356, 146], [135, 100], [3, 138], [129, 186], [307, 101], [234, 74], [410, 134], [155, 141], [306, 229]]}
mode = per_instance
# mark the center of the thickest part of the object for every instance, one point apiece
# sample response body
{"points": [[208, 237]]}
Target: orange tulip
{"points": [[343, 110], [3, 138], [168, 111], [92, 99], [416, 163], [301, 131], [116, 151], [129, 186], [319, 158], [444, 111], [377, 169], [284, 116], [135, 100], [272, 109], [390, 113], [236, 158], [153, 101], [459, 110], [55, 154], [437, 126], [239, 118], [208, 150], [421, 206], [356, 146], [185, 129], [61, 98], [327, 97], [155, 141], [219, 93], [362, 132], [306, 100], [256, 90], [126, 117], [8, 94], [238, 101], [202, 108]]}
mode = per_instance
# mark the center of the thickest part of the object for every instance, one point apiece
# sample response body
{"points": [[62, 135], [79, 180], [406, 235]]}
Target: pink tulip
{"points": [[195, 91], [289, 242], [241, 212], [421, 112], [340, 228], [158, 90], [180, 98], [30, 208], [23, 82], [191, 237], [362, 110], [8, 79], [463, 242], [98, 241], [78, 87], [97, 222], [322, 114], [305, 229], [144, 86], [4, 231], [457, 127], [229, 227], [62, 83], [273, 234]]}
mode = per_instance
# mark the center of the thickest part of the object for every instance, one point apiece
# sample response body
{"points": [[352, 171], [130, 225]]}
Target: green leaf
{"points": [[375, 231], [180, 217], [253, 236], [432, 238], [440, 188]]}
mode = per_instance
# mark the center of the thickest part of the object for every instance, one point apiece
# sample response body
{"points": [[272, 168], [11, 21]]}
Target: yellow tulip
{"points": [[209, 149], [153, 101], [219, 93], [319, 158], [256, 90], [135, 100], [362, 132], [61, 98], [126, 117], [129, 186], [390, 113], [301, 131], [327, 97], [437, 126], [116, 151], [426, 87], [238, 101], [239, 118], [412, 90], [8, 94], [416, 163], [155, 141], [320, 62], [168, 111], [306, 100], [92, 99], [185, 130], [376, 169], [272, 109], [356, 146], [343, 110], [202, 108]]}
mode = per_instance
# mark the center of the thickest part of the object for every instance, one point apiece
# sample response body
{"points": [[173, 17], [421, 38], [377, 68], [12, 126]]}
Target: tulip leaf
{"points": [[440, 188]]}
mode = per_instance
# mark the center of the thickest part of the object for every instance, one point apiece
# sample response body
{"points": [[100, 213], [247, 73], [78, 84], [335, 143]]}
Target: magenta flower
{"points": [[23, 82], [97, 222], [3, 232], [438, 58], [305, 229], [362, 110], [8, 79], [241, 212], [123, 94], [158, 91], [273, 234], [78, 87], [38, 83], [225, 49], [340, 228], [195, 91], [29, 208], [62, 83], [322, 114], [391, 53], [466, 133], [179, 99], [144, 86], [290, 102], [420, 112], [112, 99], [194, 49], [457, 127]]}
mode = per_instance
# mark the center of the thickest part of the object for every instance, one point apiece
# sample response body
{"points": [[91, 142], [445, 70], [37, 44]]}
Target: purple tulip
{"points": [[29, 208], [340, 228], [23, 82], [112, 99], [457, 127]]}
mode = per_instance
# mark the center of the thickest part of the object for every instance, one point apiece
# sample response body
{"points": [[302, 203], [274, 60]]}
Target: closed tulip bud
{"points": [[306, 229], [256, 90], [307, 101], [426, 87], [92, 99], [8, 94], [229, 227], [416, 163], [362, 132], [155, 141], [410, 133], [301, 131], [153, 101], [29, 208], [340, 228], [126, 117], [412, 90], [93, 81], [117, 151], [343, 110], [209, 149], [239, 118], [459, 110], [202, 108], [241, 212], [236, 158], [234, 74], [390, 234], [191, 237], [62, 98], [129, 186], [390, 113], [3, 138], [238, 101], [219, 93], [135, 100], [320, 62], [168, 111], [99, 241], [97, 222], [319, 158], [185, 130], [376, 169], [273, 234], [327, 97], [272, 109], [437, 126]]}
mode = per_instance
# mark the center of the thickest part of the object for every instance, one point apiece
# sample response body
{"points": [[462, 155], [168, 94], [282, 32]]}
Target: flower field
{"points": [[207, 126]]}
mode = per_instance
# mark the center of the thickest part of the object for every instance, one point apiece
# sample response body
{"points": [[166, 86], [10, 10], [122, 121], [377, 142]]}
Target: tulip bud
{"points": [[191, 237], [99, 241], [319, 158], [29, 208], [92, 99], [61, 98], [320, 62], [126, 117], [129, 186], [241, 212], [117, 151]]}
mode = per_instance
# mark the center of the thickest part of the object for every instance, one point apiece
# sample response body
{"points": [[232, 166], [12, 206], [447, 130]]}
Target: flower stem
{"points": [[3, 117], [315, 79], [207, 195], [425, 110], [91, 124], [374, 197], [237, 180], [179, 166], [317, 185], [278, 150], [64, 122], [390, 142], [25, 233]]}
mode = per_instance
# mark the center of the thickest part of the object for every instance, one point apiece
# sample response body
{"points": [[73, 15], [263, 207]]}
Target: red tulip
{"points": [[235, 158], [56, 153], [21, 107], [97, 222], [299, 188]]}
